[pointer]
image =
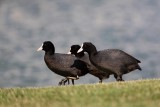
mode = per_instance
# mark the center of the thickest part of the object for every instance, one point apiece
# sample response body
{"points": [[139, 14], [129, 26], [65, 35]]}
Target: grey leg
{"points": [[73, 78], [63, 81], [118, 77], [100, 80], [72, 82], [68, 81]]}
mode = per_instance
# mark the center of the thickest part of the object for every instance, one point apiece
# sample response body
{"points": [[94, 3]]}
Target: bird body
{"points": [[85, 57], [112, 61], [63, 64]]}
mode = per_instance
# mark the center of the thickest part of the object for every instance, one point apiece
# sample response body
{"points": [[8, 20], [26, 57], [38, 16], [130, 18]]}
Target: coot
{"points": [[63, 64], [84, 57], [112, 61]]}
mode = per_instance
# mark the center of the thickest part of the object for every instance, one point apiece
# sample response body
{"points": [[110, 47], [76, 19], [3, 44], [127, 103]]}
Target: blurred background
{"points": [[130, 25]]}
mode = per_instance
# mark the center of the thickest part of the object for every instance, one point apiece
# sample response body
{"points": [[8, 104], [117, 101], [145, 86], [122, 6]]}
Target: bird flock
{"points": [[85, 59]]}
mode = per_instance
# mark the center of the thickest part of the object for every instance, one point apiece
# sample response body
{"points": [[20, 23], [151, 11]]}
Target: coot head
{"points": [[88, 47], [74, 49], [47, 46]]}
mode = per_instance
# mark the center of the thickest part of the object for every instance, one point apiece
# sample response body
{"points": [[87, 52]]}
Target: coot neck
{"points": [[92, 52], [79, 55], [50, 52]]}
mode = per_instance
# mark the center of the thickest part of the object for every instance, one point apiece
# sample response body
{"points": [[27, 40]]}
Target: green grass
{"points": [[141, 93]]}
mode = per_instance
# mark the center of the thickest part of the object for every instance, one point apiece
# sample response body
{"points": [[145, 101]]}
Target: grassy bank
{"points": [[142, 93]]}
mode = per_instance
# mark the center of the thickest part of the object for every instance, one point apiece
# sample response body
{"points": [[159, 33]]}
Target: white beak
{"points": [[69, 52], [81, 49], [39, 49]]}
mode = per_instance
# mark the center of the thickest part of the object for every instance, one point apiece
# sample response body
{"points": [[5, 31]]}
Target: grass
{"points": [[141, 93]]}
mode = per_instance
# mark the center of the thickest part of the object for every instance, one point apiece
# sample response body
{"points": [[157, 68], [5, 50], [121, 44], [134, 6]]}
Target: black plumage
{"points": [[63, 64], [93, 70], [112, 61]]}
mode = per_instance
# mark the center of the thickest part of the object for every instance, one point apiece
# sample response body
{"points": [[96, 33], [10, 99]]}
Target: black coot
{"points": [[63, 64], [113, 61], [84, 57]]}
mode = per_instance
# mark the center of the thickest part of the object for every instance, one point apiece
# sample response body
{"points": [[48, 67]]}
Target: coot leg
{"points": [[118, 77], [72, 81], [121, 78], [68, 81], [63, 81], [73, 78], [100, 80], [115, 76], [60, 83]]}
